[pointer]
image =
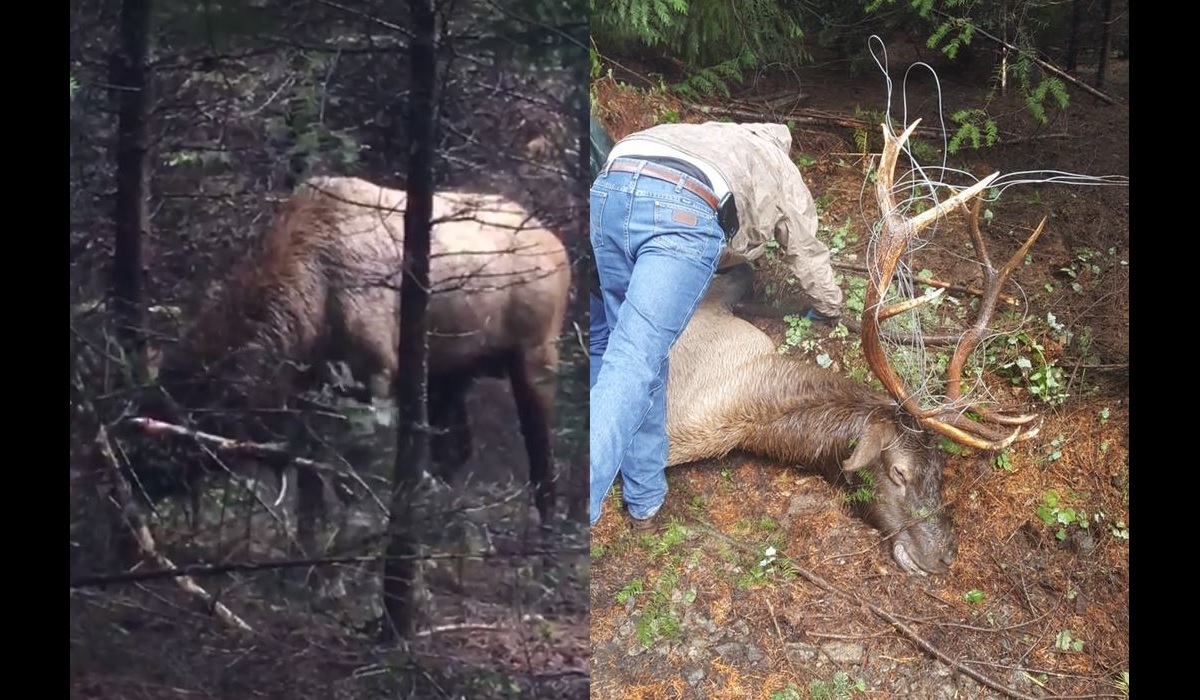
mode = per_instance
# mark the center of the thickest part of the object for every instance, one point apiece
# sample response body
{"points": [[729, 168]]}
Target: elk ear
{"points": [[867, 448], [899, 474]]}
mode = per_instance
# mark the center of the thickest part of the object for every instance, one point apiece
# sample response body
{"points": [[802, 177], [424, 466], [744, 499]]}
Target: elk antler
{"points": [[992, 431]]}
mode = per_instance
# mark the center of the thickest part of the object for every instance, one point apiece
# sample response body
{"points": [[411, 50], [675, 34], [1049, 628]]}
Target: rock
{"points": [[801, 652], [732, 652], [843, 652], [754, 654], [803, 504], [693, 674]]}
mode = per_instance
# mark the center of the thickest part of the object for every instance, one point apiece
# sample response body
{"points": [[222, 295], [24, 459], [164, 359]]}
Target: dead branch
{"points": [[930, 282], [1044, 64], [123, 495], [812, 117], [272, 453], [781, 313], [197, 570]]}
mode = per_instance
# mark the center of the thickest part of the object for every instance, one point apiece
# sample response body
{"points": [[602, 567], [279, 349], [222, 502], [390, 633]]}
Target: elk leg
{"points": [[534, 411], [450, 444], [310, 507]]}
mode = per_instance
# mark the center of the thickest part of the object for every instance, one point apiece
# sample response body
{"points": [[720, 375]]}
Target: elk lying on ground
{"points": [[729, 389], [324, 287]]}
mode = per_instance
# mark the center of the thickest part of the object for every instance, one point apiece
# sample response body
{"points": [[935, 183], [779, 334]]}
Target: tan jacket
{"points": [[772, 200]]}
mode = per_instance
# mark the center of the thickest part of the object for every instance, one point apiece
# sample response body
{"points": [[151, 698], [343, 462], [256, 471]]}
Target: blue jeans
{"points": [[597, 337], [656, 247], [647, 445]]}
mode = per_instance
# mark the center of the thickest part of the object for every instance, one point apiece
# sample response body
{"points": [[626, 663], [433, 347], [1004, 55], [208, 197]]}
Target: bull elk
{"points": [[729, 389], [323, 287]]}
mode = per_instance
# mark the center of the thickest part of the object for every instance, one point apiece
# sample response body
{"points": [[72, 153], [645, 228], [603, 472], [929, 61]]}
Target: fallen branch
{"points": [[1044, 64], [929, 281], [781, 313], [273, 453], [194, 570], [824, 119], [458, 627], [123, 493], [801, 117]]}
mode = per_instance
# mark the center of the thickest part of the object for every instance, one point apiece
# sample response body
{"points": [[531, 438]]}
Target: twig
{"points": [[779, 632], [458, 627], [929, 281], [831, 635], [760, 310], [217, 569], [368, 16], [578, 672], [1053, 69], [265, 451], [812, 117], [145, 541]]}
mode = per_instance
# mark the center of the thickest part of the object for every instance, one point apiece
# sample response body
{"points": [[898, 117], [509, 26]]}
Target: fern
{"points": [[1036, 98], [715, 39], [956, 25], [974, 124], [716, 79]]}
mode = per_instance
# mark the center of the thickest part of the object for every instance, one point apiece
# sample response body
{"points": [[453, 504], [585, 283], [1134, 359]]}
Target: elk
{"points": [[323, 287], [729, 389]]}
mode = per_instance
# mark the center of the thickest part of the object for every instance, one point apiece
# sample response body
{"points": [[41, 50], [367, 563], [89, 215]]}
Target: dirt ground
{"points": [[1037, 603]]}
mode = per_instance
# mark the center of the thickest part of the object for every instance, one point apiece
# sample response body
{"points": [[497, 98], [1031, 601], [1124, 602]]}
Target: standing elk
{"points": [[323, 287], [729, 389]]}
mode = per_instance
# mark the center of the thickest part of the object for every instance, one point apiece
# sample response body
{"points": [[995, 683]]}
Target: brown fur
{"points": [[729, 389], [323, 287]]}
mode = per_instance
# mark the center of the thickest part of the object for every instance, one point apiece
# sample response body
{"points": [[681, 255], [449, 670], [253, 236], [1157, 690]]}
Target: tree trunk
{"points": [[1072, 57], [130, 216], [400, 569], [1105, 45], [578, 470]]}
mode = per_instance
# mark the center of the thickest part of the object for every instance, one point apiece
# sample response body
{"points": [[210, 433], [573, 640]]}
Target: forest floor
{"points": [[1037, 602]]}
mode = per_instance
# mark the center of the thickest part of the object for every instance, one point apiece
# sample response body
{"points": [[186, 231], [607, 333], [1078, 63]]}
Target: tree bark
{"points": [[400, 569], [1105, 45], [1072, 58], [130, 215]]}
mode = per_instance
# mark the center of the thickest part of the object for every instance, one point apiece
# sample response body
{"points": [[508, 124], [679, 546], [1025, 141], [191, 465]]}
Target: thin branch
{"points": [[367, 16], [929, 281], [1053, 69], [145, 541], [273, 453], [194, 570]]}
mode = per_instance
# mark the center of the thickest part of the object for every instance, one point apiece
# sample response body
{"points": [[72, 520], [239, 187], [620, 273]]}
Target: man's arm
{"points": [[807, 256]]}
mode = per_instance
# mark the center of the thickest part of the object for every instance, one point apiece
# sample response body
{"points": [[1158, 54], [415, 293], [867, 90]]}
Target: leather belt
{"points": [[674, 176]]}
